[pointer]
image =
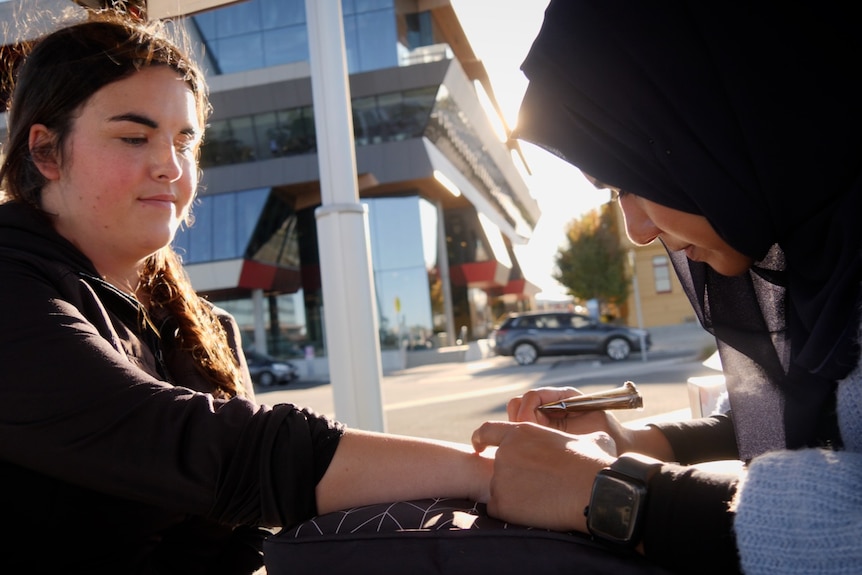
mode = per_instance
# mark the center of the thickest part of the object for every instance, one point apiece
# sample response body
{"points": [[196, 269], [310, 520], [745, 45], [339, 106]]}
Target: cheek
{"points": [[189, 181], [188, 190]]}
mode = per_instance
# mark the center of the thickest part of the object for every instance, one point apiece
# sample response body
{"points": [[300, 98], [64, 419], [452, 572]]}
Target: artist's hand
{"points": [[524, 408], [542, 477]]}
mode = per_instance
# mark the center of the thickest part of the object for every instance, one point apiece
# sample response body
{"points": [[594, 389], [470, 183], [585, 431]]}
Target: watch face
{"points": [[614, 508]]}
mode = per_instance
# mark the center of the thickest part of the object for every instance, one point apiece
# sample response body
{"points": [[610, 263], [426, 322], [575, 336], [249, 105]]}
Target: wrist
{"points": [[482, 469], [627, 440], [579, 498], [649, 441]]}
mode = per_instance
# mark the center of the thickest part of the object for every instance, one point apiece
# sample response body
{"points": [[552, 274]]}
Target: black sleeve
{"points": [[705, 439], [77, 407], [273, 479], [689, 526]]}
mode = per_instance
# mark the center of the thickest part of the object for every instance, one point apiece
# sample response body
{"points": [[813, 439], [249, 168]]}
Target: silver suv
{"points": [[528, 336]]}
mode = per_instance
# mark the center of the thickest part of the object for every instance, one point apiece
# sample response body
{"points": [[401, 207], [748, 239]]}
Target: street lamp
{"points": [[637, 297]]}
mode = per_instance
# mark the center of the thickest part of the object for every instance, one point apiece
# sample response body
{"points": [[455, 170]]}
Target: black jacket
{"points": [[112, 461]]}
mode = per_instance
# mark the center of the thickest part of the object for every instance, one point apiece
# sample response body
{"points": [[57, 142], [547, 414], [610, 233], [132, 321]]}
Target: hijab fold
{"points": [[750, 116]]}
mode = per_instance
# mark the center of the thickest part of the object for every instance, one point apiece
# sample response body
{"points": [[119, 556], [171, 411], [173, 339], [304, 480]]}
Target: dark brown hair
{"points": [[55, 78]]}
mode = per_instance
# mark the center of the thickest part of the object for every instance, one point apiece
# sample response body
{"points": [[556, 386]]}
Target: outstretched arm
{"points": [[371, 467]]}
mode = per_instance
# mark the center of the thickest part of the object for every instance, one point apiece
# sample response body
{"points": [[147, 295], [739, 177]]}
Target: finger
{"points": [[531, 400], [527, 407], [488, 434], [513, 407]]}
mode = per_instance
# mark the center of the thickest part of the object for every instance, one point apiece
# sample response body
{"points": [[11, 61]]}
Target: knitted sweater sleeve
{"points": [[801, 511]]}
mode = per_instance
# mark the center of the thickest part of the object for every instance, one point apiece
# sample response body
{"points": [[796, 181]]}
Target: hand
{"points": [[524, 408], [542, 477]]}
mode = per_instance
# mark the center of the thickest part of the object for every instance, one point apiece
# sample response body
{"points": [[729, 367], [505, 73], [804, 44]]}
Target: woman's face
{"points": [[646, 221], [128, 171]]}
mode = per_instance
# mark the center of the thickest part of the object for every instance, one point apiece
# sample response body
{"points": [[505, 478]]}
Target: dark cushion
{"points": [[431, 536]]}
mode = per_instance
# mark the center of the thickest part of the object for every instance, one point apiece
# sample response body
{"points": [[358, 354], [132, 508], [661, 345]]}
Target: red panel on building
{"points": [[256, 275], [483, 275]]}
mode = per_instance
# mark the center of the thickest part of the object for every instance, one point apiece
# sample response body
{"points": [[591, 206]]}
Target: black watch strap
{"points": [[636, 466]]}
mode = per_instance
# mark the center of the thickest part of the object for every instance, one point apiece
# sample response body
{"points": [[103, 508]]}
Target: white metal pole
{"points": [[443, 267], [351, 326]]}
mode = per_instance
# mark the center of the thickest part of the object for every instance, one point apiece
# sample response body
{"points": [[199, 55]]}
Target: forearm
{"points": [[373, 467], [647, 441], [688, 525], [697, 440], [686, 442]]}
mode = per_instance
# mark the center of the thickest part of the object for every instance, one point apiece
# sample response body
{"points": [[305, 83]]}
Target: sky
{"points": [[501, 33]]}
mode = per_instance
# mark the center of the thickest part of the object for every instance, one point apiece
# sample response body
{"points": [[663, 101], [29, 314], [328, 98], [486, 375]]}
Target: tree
{"points": [[592, 264]]}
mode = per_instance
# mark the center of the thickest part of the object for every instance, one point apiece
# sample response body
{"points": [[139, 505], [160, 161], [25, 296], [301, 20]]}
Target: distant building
{"points": [[445, 200]]}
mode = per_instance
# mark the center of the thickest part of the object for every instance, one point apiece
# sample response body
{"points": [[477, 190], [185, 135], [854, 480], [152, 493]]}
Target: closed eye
{"points": [[616, 193], [186, 145]]}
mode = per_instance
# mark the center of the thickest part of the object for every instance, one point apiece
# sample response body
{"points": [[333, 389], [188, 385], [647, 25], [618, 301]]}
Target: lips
{"points": [[160, 200], [689, 249]]}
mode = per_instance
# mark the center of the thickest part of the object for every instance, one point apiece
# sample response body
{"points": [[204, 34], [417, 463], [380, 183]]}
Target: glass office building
{"points": [[445, 200]]}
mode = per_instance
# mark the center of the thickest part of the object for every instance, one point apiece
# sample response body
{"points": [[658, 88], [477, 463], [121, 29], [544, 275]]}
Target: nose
{"points": [[639, 226], [167, 165]]}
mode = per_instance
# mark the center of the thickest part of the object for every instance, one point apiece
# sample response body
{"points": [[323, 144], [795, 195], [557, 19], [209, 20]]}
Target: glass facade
{"points": [[264, 33], [403, 237], [286, 333], [224, 226], [388, 117], [257, 225]]}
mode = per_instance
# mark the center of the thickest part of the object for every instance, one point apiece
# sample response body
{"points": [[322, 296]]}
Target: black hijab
{"points": [[750, 115]]}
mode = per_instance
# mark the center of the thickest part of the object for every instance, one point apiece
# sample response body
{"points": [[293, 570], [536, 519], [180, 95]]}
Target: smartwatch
{"points": [[618, 500]]}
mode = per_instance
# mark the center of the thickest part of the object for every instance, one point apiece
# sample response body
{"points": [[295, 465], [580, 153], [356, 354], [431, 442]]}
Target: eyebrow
{"points": [[148, 122], [135, 118]]}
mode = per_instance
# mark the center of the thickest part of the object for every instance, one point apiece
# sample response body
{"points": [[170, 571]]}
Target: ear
{"points": [[41, 144]]}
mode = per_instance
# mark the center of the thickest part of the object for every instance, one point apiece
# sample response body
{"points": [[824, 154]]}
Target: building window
{"points": [[419, 29], [224, 226], [285, 45], [387, 117], [262, 33], [661, 274], [398, 242], [238, 53], [370, 38]]}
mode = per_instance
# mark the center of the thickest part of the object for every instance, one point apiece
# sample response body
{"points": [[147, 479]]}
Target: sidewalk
{"points": [[683, 337]]}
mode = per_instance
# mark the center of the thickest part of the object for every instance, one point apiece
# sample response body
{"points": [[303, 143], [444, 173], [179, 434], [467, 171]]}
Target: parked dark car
{"points": [[267, 371], [531, 335]]}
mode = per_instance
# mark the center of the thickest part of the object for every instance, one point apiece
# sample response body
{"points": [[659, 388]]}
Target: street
{"points": [[448, 401]]}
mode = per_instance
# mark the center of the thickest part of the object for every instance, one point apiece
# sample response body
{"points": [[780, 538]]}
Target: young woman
{"points": [[130, 441], [734, 136]]}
